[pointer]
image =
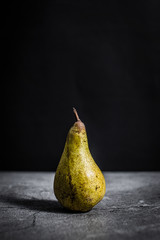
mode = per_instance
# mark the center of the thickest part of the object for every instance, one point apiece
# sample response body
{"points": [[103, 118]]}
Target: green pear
{"points": [[79, 183]]}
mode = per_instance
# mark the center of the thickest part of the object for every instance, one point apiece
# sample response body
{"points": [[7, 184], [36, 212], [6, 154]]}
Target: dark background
{"points": [[103, 59]]}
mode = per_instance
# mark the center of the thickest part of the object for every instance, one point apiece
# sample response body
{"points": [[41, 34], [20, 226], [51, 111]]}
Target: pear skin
{"points": [[79, 183]]}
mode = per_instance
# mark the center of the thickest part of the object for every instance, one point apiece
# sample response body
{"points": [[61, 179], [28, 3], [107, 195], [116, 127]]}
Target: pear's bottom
{"points": [[78, 200], [74, 207], [77, 205], [80, 195]]}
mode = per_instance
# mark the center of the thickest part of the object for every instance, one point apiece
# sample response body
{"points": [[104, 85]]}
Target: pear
{"points": [[79, 183]]}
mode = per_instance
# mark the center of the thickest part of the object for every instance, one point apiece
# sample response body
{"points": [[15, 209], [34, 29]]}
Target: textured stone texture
{"points": [[129, 210]]}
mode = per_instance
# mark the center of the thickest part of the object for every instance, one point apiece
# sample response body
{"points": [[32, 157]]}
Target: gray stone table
{"points": [[129, 210]]}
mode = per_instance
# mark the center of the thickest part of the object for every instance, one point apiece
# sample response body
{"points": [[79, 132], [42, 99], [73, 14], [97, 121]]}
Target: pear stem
{"points": [[76, 114]]}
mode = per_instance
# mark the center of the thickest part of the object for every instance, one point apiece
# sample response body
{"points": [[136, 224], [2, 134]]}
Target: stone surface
{"points": [[129, 210]]}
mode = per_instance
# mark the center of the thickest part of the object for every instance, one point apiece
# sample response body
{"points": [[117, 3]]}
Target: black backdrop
{"points": [[102, 59]]}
